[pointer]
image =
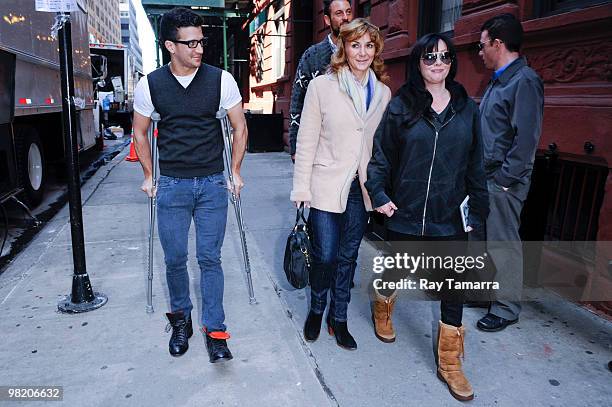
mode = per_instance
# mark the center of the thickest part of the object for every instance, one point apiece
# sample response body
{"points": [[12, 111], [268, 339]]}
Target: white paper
{"points": [[79, 102], [464, 210], [55, 6]]}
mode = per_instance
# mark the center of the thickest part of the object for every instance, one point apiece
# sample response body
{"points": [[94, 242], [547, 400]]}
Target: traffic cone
{"points": [[132, 156]]}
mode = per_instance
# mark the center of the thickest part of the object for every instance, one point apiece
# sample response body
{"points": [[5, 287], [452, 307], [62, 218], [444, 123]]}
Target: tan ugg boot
{"points": [[381, 316], [450, 351]]}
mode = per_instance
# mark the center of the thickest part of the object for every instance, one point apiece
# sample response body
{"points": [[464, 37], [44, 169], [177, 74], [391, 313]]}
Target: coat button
{"points": [[360, 129]]}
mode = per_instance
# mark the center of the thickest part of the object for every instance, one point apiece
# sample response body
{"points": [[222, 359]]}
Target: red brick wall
{"points": [[571, 51]]}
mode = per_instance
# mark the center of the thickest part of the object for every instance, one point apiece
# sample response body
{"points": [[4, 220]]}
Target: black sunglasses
{"points": [[481, 45], [192, 43], [430, 58]]}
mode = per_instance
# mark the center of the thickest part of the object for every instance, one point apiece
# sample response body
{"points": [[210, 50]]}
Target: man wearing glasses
{"points": [[187, 94], [511, 120]]}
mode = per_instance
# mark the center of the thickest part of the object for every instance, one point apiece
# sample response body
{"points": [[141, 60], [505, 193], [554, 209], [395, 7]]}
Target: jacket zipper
{"points": [[433, 158]]}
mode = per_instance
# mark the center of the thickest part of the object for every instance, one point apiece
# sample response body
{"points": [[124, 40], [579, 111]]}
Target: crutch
{"points": [[227, 152], [155, 117]]}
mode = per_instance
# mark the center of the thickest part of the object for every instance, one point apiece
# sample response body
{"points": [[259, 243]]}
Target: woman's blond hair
{"points": [[353, 31]]}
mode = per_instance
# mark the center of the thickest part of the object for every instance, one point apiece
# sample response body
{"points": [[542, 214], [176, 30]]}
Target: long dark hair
{"points": [[415, 94]]}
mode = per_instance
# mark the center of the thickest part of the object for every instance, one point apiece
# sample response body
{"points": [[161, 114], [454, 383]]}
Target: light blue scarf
{"points": [[349, 85]]}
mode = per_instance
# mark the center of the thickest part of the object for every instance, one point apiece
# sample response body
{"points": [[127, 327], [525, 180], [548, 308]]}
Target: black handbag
{"points": [[298, 252]]}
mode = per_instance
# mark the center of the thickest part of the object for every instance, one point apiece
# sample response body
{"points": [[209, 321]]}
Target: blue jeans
{"points": [[203, 199], [335, 245]]}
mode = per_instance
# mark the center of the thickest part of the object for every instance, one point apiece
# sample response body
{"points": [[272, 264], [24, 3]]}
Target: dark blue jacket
{"points": [[428, 173]]}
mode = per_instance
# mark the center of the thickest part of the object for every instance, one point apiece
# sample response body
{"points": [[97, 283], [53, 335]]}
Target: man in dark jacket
{"points": [[511, 121], [314, 62]]}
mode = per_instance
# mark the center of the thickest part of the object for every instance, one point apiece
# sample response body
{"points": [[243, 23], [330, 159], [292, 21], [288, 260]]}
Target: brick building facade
{"points": [[569, 44]]}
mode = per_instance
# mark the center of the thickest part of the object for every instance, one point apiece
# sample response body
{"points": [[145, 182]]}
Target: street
{"points": [[21, 228], [557, 355]]}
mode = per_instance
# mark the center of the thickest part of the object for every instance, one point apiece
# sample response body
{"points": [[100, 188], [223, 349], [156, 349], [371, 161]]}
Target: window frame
{"points": [[364, 9], [546, 8], [430, 18]]}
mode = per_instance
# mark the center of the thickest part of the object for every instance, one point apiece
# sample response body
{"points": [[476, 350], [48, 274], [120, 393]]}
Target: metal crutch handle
{"points": [[155, 117], [227, 153]]}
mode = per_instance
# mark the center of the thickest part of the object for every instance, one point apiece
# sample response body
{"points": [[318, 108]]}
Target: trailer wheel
{"points": [[31, 163]]}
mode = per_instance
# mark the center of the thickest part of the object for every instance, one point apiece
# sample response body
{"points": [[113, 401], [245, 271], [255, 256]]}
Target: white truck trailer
{"points": [[30, 97], [111, 63]]}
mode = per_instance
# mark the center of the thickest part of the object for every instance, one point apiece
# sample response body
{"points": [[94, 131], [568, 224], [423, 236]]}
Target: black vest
{"points": [[190, 139]]}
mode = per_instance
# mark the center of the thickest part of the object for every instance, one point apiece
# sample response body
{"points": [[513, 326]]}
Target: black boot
{"points": [[344, 339], [312, 326], [182, 330], [216, 345]]}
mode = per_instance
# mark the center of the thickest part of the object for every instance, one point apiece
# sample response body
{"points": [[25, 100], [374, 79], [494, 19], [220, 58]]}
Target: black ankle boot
{"points": [[216, 345], [312, 326], [344, 339], [182, 330]]}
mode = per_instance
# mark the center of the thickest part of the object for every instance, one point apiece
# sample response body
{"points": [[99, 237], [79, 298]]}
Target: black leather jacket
{"points": [[426, 172]]}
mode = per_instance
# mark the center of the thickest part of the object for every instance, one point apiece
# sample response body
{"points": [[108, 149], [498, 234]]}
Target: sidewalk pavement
{"points": [[118, 355]]}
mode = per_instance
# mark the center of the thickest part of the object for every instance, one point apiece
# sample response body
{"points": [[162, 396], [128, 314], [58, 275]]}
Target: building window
{"points": [[451, 11], [259, 56], [364, 9], [438, 16], [278, 43], [545, 8]]}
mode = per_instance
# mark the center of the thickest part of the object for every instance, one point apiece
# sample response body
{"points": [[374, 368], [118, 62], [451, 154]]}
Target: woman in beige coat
{"points": [[341, 112]]}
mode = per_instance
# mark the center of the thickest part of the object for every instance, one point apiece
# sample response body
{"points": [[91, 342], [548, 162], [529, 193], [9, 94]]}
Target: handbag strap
{"points": [[300, 214]]}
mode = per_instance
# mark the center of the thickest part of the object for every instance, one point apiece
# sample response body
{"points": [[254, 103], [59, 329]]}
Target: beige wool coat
{"points": [[333, 144]]}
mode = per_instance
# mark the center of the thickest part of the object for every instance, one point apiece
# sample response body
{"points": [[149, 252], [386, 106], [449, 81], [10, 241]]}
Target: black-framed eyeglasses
{"points": [[430, 58], [192, 43]]}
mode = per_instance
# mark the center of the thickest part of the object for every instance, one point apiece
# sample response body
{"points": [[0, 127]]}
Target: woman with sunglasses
{"points": [[341, 112], [427, 157]]}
